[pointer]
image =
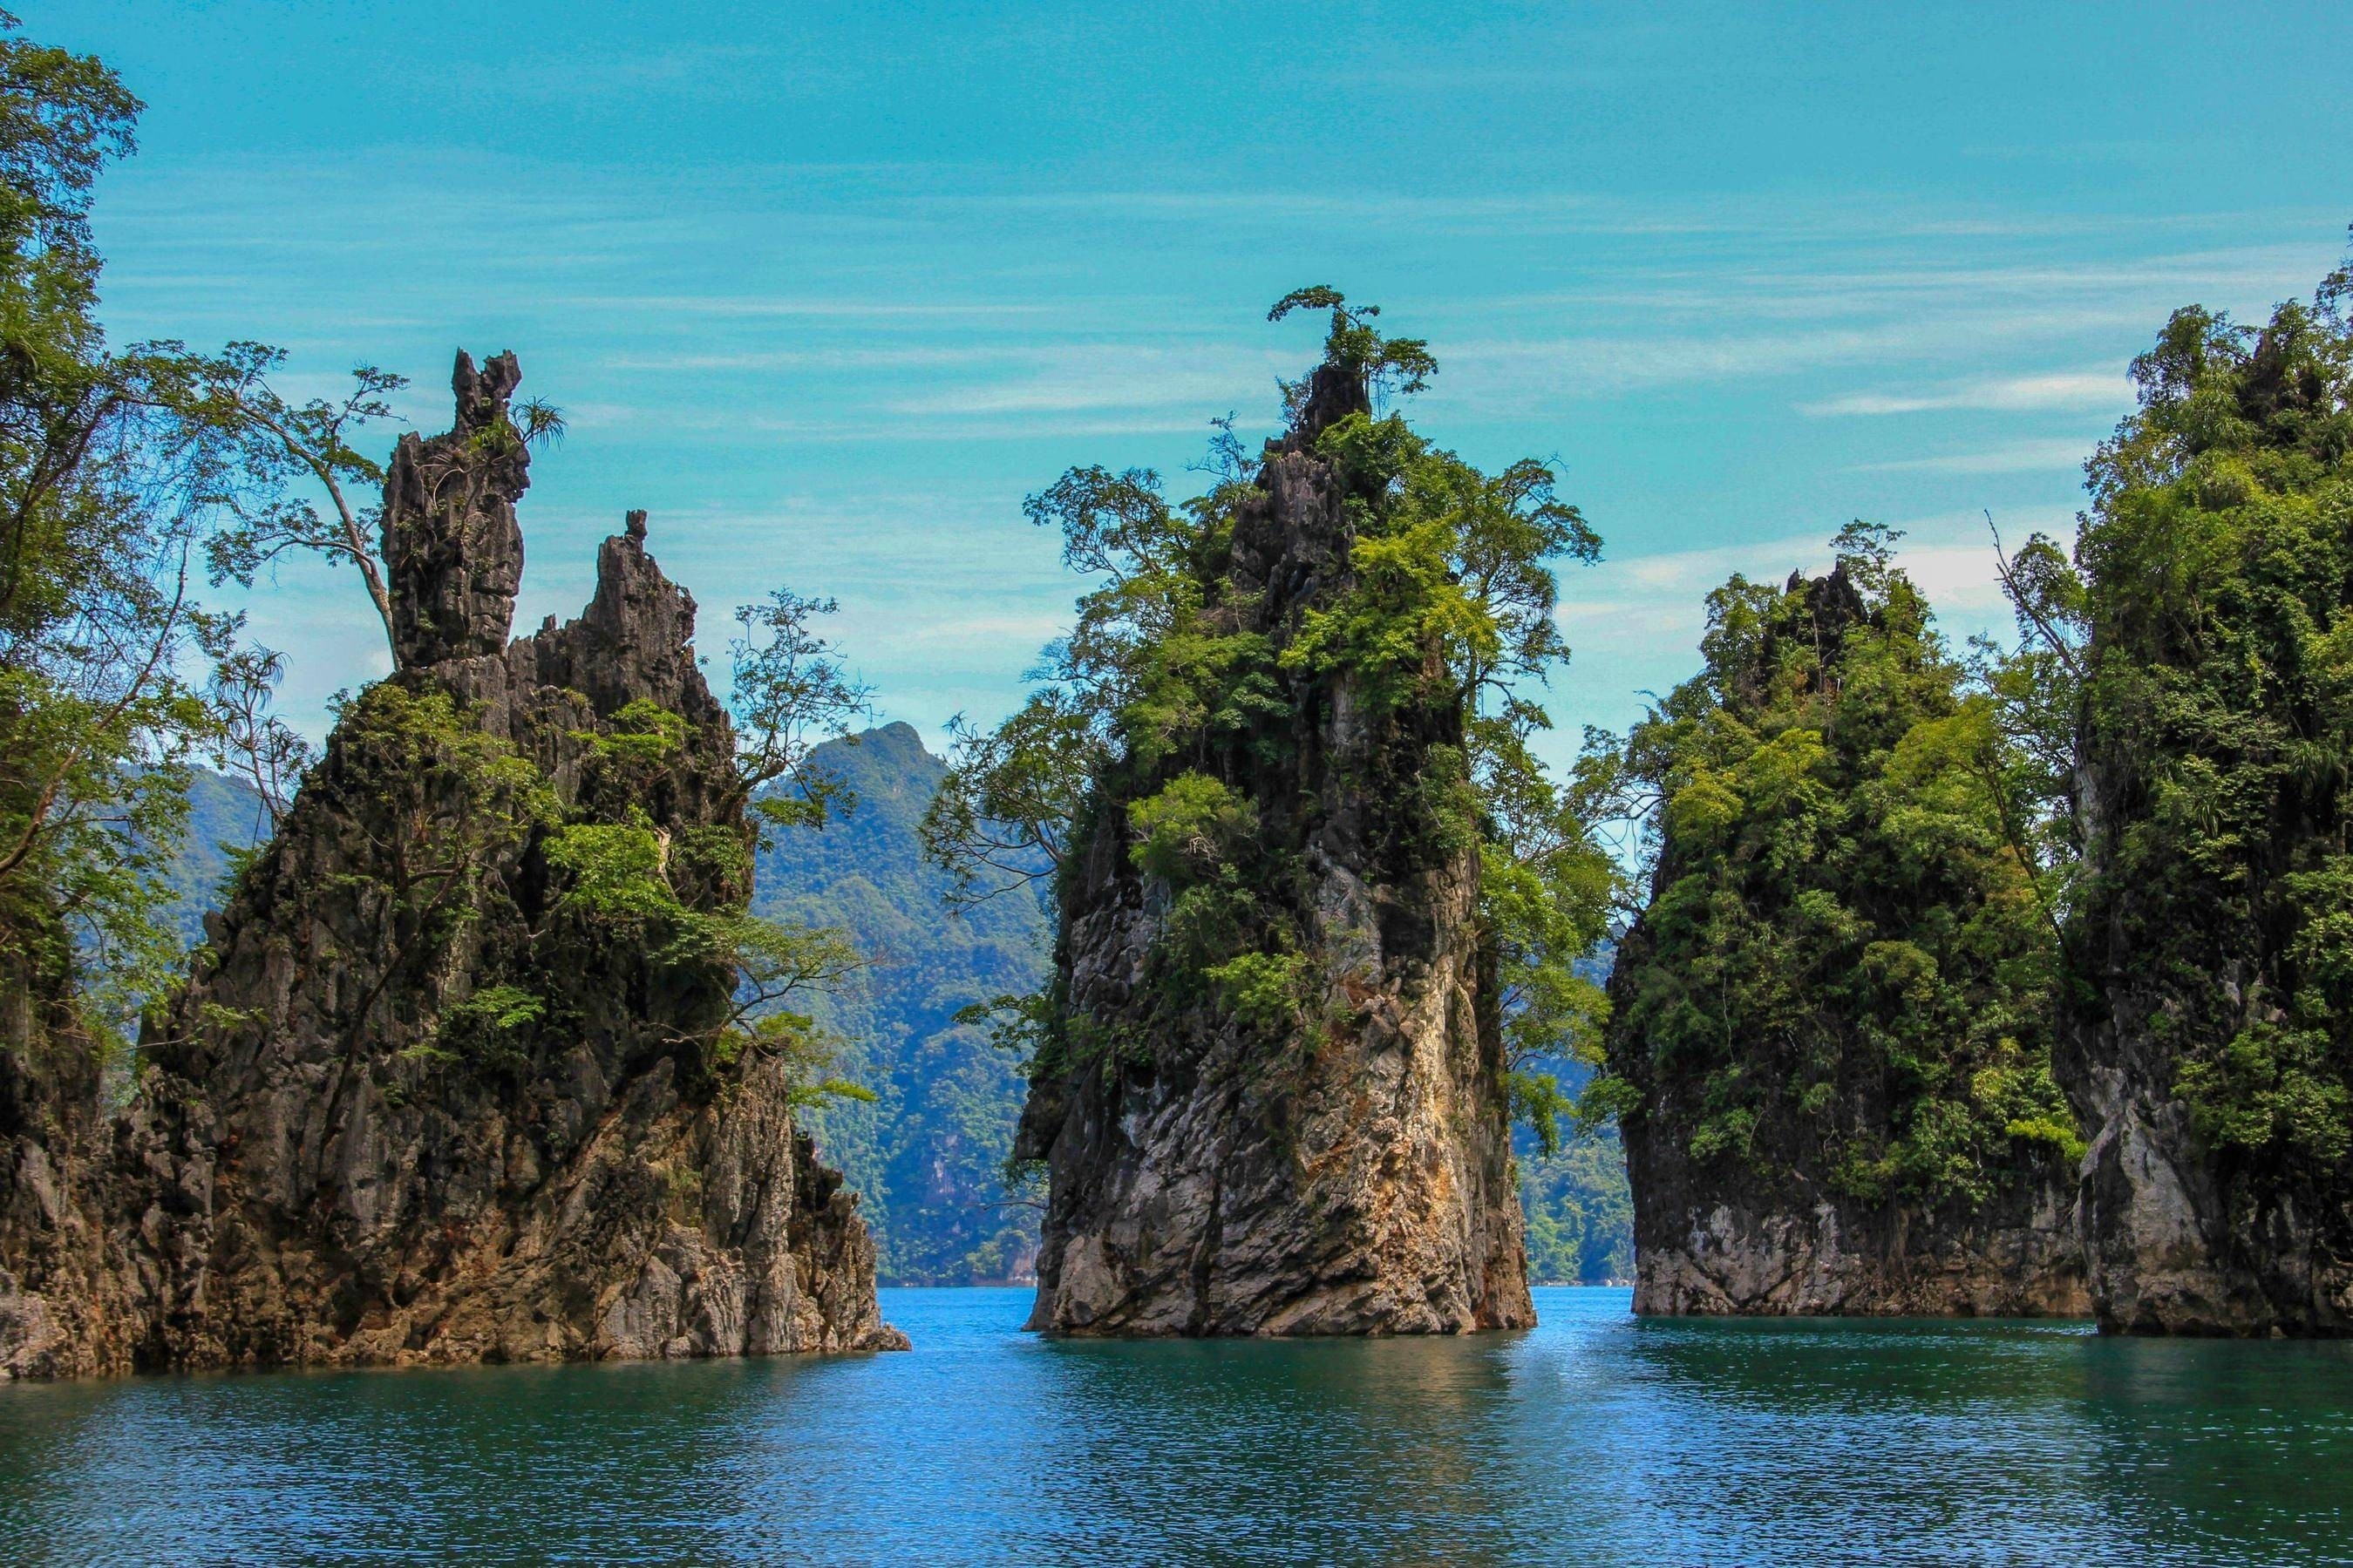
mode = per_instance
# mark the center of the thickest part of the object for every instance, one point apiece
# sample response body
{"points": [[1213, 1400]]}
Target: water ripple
{"points": [[1595, 1438]]}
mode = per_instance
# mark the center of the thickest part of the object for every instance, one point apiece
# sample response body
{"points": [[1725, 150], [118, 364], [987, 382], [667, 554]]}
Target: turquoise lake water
{"points": [[1596, 1437]]}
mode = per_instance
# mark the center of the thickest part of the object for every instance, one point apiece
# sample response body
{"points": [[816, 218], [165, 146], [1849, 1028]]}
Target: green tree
{"points": [[106, 485], [1355, 346], [789, 694], [2216, 737], [1846, 965], [250, 744]]}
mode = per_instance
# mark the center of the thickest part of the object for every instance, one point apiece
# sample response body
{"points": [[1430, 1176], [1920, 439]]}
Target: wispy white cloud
{"points": [[1104, 376], [857, 356], [839, 309], [1496, 371], [2071, 389], [2016, 457]]}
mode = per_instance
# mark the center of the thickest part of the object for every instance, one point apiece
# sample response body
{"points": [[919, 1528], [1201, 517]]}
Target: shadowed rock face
{"points": [[1707, 1245], [65, 1302], [413, 1107], [1353, 1178], [2175, 1245], [452, 547]]}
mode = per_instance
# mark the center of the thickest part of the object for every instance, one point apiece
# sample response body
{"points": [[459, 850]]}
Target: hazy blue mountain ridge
{"points": [[927, 1157], [225, 817]]}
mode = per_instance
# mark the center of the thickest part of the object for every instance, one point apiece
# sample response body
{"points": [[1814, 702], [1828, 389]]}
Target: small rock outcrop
{"points": [[1830, 1027], [1313, 1139], [452, 1080]]}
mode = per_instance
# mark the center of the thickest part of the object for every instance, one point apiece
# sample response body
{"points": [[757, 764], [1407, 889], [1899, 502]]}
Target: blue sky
{"points": [[829, 290]]}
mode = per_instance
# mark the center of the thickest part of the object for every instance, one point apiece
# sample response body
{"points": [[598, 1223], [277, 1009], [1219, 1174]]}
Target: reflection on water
{"points": [[1595, 1437]]}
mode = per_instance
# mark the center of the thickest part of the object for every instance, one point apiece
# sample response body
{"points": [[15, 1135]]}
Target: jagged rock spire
{"points": [[410, 1105], [1344, 1171], [1334, 392], [453, 548]]}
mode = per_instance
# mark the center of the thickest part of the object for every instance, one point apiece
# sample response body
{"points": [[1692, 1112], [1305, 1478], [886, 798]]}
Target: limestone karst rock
{"points": [[2213, 1048], [419, 1105], [1347, 1172], [65, 1310], [1832, 1019], [452, 546]]}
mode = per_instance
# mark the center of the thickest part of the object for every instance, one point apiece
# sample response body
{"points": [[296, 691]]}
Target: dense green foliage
{"points": [[103, 492], [1848, 964], [2216, 692]]}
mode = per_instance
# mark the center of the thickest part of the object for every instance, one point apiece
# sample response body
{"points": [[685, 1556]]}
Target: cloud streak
{"points": [[2066, 389], [2018, 457]]}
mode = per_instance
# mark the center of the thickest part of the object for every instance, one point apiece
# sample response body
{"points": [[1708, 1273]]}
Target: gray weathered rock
{"points": [[413, 1106], [2182, 1238], [1750, 1249], [1349, 1176]]}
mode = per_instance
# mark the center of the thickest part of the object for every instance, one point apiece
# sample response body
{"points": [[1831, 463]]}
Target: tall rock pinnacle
{"points": [[1330, 1153], [452, 546], [423, 1099]]}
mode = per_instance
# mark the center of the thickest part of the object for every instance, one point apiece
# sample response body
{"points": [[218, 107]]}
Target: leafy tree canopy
{"points": [[105, 487], [1847, 965], [2216, 693]]}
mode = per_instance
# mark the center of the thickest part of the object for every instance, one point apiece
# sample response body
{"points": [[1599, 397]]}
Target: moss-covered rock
{"points": [[1830, 1028], [1272, 1098]]}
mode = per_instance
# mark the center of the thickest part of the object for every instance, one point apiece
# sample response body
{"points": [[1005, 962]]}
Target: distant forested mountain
{"points": [[1580, 1211], [225, 817], [1579, 1208], [927, 1156]]}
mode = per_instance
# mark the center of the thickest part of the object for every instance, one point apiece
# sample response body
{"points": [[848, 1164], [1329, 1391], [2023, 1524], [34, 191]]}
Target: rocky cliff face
{"points": [[64, 1311], [1830, 1026], [425, 1099], [2178, 1240], [1705, 1246], [1336, 1163], [2213, 1050]]}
